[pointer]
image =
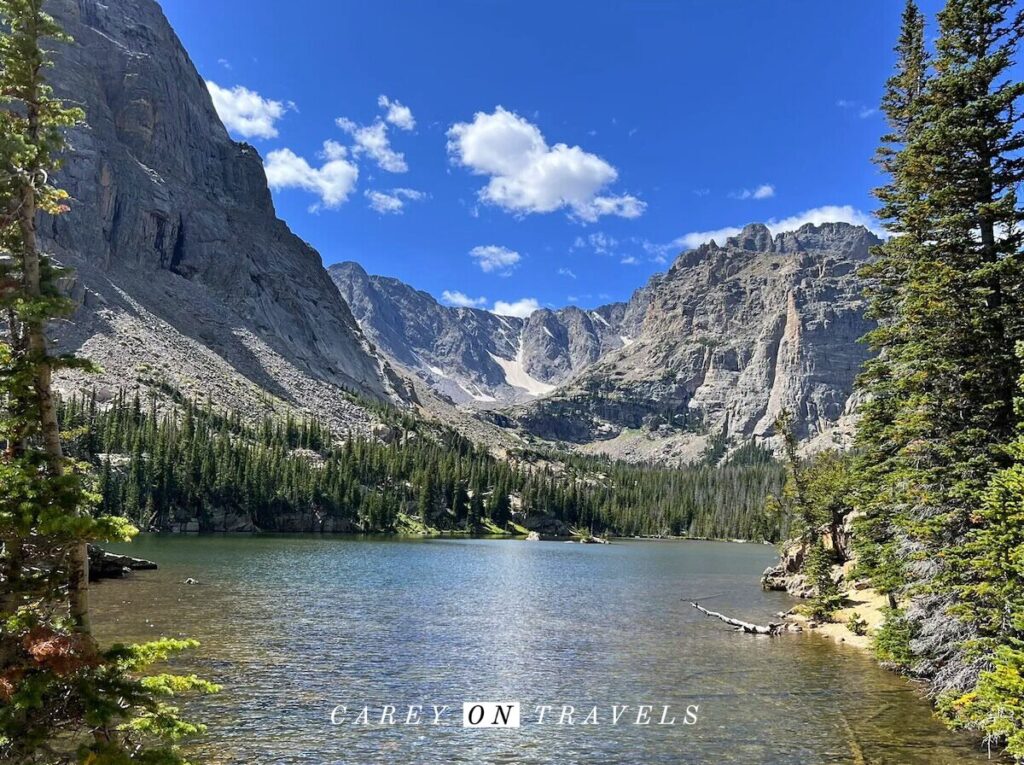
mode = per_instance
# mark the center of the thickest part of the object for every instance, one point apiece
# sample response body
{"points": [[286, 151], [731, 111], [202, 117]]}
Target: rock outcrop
{"points": [[730, 337], [184, 273]]}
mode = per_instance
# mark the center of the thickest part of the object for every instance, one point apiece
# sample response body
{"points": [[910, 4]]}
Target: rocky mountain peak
{"points": [[754, 237], [731, 335]]}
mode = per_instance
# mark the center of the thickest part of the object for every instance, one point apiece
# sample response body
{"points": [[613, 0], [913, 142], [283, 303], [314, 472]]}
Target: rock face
{"points": [[184, 272], [730, 337], [474, 356]]}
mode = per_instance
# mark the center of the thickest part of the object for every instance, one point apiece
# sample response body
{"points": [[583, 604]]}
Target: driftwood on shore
{"points": [[774, 628]]}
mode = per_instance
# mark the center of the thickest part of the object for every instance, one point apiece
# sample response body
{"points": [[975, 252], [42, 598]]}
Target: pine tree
{"points": [[62, 699], [947, 291], [891, 376]]}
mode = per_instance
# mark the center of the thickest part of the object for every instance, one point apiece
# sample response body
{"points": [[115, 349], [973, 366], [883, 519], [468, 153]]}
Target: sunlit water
{"points": [[292, 626]]}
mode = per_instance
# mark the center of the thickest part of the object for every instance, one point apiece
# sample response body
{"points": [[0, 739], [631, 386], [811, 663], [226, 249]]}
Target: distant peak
{"points": [[754, 236], [347, 265]]}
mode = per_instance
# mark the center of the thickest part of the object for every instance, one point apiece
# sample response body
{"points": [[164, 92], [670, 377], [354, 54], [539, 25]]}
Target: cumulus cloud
{"points": [[492, 257], [372, 141], [245, 112], [529, 176], [462, 300], [816, 216], [398, 114], [764, 191], [332, 182], [521, 308], [393, 201]]}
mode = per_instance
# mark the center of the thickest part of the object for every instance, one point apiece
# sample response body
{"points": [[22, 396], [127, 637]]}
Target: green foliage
{"points": [[856, 624], [892, 641], [172, 463], [936, 487], [62, 698], [816, 497], [995, 705]]}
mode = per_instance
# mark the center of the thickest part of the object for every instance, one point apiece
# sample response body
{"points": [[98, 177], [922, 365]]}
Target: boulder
{"points": [[108, 565], [547, 526]]}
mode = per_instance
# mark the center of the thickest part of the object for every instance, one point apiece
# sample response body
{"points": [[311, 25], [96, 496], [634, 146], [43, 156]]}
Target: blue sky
{"points": [[553, 152]]}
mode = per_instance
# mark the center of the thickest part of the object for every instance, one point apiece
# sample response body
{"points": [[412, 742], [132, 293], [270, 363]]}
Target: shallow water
{"points": [[292, 626]]}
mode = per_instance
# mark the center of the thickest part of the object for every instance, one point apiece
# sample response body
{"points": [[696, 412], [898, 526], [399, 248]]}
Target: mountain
{"points": [[473, 356], [183, 273], [730, 337]]}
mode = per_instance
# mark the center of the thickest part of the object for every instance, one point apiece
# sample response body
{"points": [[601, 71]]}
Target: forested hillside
{"points": [[166, 467]]}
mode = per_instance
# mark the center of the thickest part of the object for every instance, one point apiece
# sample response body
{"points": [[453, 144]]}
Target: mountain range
{"points": [[186, 280]]}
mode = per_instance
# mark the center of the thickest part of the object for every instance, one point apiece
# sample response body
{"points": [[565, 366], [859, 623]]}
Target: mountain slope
{"points": [[731, 336], [474, 356], [183, 270]]}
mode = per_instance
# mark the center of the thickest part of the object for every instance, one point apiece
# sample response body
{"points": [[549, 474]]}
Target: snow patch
{"points": [[517, 376], [626, 341], [599, 317]]}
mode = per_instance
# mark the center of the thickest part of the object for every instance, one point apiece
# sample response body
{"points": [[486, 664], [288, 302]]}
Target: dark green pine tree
{"points": [[890, 376], [992, 599], [964, 419], [947, 292]]}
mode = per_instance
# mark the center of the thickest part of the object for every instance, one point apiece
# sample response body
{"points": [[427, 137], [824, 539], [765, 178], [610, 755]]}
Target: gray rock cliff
{"points": [[730, 336], [183, 269]]}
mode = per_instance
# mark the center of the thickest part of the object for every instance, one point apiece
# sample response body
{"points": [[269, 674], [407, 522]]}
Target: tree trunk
{"points": [[775, 628], [35, 330]]}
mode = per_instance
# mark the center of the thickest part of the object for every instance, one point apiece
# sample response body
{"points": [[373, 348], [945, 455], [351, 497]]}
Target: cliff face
{"points": [[730, 337], [473, 356], [183, 269]]}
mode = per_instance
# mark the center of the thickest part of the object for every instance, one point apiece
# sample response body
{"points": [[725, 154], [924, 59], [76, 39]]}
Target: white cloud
{"points": [[333, 181], [224, 63], [492, 257], [246, 112], [398, 114], [602, 244], [521, 308], [462, 300], [566, 272], [863, 110], [630, 261], [696, 238], [528, 176], [372, 140], [764, 191], [393, 201], [815, 216]]}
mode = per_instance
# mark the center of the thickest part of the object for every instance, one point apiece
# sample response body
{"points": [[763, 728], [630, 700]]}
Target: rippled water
{"points": [[292, 626]]}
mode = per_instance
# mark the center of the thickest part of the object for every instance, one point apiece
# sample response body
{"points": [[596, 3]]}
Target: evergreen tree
{"points": [[947, 291], [62, 699]]}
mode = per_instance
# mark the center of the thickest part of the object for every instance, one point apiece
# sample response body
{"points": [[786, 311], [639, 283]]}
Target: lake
{"points": [[296, 626]]}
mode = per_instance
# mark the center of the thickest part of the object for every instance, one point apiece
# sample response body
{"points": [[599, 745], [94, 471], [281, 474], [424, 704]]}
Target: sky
{"points": [[516, 154]]}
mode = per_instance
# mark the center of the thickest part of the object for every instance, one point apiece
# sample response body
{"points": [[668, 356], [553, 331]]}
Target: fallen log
{"points": [[774, 628]]}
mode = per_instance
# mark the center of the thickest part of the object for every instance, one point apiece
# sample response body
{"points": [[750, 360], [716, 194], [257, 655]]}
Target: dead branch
{"points": [[774, 628]]}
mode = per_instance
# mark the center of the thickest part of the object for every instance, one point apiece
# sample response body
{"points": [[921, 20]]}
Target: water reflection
{"points": [[293, 626]]}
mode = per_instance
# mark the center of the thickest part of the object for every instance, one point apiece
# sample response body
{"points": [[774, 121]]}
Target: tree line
{"points": [[161, 466]]}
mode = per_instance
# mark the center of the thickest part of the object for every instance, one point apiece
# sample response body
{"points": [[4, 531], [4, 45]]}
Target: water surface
{"points": [[292, 626]]}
